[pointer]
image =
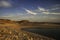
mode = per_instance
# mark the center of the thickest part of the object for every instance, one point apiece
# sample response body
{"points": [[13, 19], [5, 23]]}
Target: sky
{"points": [[32, 10]]}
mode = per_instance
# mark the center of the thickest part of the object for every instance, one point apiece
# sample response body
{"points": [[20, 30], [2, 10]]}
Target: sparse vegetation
{"points": [[7, 33], [11, 30]]}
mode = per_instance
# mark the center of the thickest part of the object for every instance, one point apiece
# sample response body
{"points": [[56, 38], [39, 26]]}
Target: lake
{"points": [[53, 33]]}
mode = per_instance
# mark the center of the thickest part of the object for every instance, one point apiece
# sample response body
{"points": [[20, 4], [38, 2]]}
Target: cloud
{"points": [[42, 9], [55, 7], [12, 15], [48, 11], [17, 16], [30, 12], [5, 4]]}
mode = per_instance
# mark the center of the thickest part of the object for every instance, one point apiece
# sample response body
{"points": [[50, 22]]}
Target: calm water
{"points": [[54, 33]]}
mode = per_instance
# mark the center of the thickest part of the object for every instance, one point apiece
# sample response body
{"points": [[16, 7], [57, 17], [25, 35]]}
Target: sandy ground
{"points": [[12, 25]]}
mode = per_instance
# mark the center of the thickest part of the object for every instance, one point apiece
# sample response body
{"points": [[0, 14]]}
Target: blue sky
{"points": [[33, 10]]}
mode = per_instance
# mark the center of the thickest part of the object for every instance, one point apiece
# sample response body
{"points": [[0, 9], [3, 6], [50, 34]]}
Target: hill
{"points": [[11, 30], [8, 23], [28, 24]]}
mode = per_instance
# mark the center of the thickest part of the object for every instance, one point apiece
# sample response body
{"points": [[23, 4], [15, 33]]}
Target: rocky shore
{"points": [[7, 33]]}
